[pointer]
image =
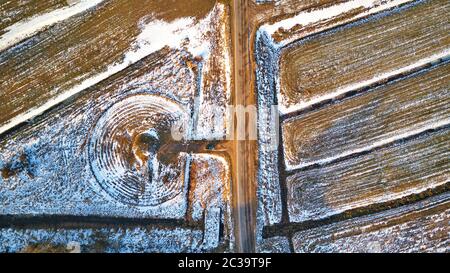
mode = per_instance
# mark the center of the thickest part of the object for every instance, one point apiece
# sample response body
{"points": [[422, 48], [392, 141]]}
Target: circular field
{"points": [[124, 151]]}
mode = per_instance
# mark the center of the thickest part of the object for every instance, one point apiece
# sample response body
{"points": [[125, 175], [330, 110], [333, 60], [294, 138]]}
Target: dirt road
{"points": [[244, 150]]}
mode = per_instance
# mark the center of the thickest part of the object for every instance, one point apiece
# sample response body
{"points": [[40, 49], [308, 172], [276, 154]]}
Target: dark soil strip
{"points": [[77, 222]]}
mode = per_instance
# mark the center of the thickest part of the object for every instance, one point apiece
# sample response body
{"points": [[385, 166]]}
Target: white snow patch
{"points": [[118, 240], [157, 34], [315, 16], [24, 29]]}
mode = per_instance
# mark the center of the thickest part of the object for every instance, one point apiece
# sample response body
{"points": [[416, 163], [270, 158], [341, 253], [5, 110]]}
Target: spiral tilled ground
{"points": [[124, 151]]}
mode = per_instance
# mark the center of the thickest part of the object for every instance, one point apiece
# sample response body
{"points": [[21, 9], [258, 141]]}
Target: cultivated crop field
{"points": [[362, 89]]}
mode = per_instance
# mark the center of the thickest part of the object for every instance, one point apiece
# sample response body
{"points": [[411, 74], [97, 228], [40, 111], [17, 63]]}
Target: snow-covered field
{"points": [[103, 149]]}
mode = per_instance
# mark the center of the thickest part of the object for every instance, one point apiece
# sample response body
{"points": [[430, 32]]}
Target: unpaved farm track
{"points": [[245, 150]]}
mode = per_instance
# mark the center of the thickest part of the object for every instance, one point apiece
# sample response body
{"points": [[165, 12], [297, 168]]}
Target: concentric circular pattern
{"points": [[124, 151]]}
